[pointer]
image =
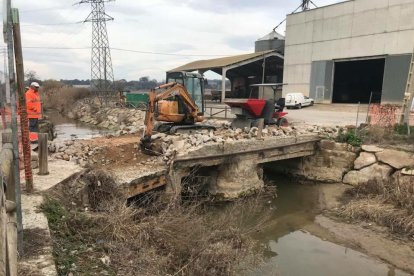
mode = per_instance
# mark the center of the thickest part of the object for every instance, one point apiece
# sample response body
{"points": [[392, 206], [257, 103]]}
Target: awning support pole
{"points": [[223, 84]]}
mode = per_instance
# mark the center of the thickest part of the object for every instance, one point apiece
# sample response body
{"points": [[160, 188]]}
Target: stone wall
{"points": [[330, 163], [342, 163], [378, 164]]}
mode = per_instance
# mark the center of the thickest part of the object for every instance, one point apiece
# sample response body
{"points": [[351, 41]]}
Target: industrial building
{"points": [[351, 51]]}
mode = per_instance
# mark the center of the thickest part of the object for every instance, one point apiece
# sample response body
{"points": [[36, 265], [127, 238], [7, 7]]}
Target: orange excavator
{"points": [[172, 104]]}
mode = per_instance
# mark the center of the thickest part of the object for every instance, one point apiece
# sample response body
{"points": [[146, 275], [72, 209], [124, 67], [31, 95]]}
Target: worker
{"points": [[34, 110]]}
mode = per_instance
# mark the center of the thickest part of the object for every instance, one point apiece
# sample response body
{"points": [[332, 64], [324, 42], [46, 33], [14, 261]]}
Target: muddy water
{"points": [[292, 250], [67, 129]]}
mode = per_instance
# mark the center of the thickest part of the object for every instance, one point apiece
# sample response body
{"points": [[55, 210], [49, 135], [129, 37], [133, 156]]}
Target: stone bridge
{"points": [[227, 170]]}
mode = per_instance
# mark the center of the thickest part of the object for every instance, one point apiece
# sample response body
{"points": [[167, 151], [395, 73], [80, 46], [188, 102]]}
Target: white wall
{"points": [[356, 28]]}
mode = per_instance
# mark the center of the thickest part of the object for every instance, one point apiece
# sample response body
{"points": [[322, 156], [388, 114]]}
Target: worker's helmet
{"points": [[35, 84]]}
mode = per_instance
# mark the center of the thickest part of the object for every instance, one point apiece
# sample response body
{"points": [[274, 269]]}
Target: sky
{"points": [[186, 30]]}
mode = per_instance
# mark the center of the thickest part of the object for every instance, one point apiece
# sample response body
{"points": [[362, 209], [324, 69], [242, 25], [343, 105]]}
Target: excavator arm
{"points": [[173, 89]]}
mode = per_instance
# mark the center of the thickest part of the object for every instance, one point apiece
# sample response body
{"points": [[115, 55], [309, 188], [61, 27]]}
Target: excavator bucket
{"points": [[147, 146]]}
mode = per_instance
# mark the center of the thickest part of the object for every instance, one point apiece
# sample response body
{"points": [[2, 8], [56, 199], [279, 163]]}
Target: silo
{"points": [[272, 41]]}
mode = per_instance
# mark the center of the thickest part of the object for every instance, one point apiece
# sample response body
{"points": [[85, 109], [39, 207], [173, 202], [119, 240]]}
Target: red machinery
{"points": [[248, 111]]}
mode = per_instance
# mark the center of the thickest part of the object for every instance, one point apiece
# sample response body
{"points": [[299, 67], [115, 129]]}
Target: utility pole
{"points": [[8, 31], [102, 76], [24, 122]]}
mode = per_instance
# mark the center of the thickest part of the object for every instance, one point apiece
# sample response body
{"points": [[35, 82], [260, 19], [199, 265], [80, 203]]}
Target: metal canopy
{"points": [[266, 63], [230, 62]]}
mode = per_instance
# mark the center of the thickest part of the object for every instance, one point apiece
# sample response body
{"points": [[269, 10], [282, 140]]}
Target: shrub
{"points": [[350, 137], [403, 129]]}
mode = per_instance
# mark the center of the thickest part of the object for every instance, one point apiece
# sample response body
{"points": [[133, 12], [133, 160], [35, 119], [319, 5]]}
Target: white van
{"points": [[297, 100]]}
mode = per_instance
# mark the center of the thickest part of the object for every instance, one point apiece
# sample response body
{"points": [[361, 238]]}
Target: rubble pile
{"points": [[121, 120], [182, 143], [74, 150]]}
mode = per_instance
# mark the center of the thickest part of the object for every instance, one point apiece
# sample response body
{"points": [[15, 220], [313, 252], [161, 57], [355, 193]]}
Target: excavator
{"points": [[177, 105]]}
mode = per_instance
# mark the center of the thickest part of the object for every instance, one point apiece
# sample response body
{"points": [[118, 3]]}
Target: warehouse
{"points": [[350, 52]]}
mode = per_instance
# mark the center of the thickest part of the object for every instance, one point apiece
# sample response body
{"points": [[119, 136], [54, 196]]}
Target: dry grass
{"points": [[160, 238], [389, 203], [55, 95], [398, 220]]}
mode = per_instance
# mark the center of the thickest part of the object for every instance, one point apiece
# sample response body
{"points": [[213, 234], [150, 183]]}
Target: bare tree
{"points": [[30, 76]]}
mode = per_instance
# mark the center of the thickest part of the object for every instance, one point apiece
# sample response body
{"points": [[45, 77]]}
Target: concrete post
{"points": [[174, 187], [43, 154]]}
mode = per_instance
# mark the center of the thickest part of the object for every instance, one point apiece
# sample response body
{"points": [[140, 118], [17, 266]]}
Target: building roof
{"points": [[272, 35], [216, 63]]}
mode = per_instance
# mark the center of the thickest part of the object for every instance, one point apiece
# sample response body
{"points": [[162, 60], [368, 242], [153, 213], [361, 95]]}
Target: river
{"points": [[292, 250], [67, 129]]}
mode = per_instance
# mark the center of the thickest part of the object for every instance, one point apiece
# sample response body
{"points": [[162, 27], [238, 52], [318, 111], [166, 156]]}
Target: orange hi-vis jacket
{"points": [[33, 105]]}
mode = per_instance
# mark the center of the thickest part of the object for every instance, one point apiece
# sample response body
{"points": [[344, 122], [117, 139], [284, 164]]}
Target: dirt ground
{"points": [[118, 151]]}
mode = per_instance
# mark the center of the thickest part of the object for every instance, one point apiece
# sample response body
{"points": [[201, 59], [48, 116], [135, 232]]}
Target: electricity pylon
{"points": [[102, 76]]}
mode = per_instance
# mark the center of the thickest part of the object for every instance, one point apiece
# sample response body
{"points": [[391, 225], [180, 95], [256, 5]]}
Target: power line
{"points": [[165, 54], [126, 50], [56, 48], [52, 24], [44, 9]]}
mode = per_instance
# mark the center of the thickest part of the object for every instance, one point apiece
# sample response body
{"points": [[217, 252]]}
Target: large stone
{"points": [[365, 159], [374, 172], [236, 179], [371, 148], [396, 159]]}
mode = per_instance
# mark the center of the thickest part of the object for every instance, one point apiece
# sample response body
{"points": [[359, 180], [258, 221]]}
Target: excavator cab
{"points": [[193, 83]]}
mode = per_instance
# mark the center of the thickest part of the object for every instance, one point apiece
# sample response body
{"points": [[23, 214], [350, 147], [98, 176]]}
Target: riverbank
{"points": [[368, 237]]}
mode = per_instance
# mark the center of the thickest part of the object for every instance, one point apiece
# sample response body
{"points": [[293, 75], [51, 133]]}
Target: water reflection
{"points": [[295, 252]]}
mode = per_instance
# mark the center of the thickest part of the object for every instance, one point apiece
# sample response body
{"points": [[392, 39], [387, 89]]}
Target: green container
{"points": [[137, 100]]}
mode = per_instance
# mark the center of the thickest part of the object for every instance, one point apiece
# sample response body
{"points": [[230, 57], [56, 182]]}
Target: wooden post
{"points": [[43, 154], [24, 122], [260, 125]]}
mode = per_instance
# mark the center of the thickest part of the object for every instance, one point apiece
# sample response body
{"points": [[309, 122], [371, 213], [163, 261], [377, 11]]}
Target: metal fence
{"points": [[218, 112]]}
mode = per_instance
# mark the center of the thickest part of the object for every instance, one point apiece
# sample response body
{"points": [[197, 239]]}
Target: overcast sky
{"points": [[195, 29]]}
